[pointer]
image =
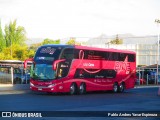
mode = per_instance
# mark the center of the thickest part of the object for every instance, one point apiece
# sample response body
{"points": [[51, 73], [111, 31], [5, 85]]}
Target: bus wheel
{"points": [[73, 89], [121, 88], [82, 88], [115, 88]]}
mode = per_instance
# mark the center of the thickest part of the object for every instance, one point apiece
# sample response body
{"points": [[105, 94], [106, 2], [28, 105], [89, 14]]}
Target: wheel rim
{"points": [[82, 89], [72, 89], [121, 87], [115, 88]]}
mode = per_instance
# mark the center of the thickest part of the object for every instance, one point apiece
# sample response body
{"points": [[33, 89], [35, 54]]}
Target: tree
{"points": [[72, 41], [5, 54], [31, 53], [18, 53], [14, 34], [2, 40], [116, 41], [35, 46], [12, 41], [50, 41]]}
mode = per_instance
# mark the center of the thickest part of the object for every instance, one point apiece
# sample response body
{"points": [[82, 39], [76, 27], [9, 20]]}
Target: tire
{"points": [[73, 89], [121, 88], [115, 88], [82, 88]]}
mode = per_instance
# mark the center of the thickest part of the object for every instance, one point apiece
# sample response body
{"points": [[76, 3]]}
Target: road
{"points": [[138, 99]]}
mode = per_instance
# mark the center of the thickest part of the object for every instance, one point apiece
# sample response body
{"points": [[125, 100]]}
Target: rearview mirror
{"points": [[26, 61], [56, 62]]}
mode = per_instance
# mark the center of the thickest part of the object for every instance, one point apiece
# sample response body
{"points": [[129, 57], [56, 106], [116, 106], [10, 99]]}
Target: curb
{"points": [[19, 87], [147, 86], [11, 87]]}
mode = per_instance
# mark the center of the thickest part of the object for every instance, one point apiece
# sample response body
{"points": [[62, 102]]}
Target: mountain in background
{"points": [[127, 39], [105, 39], [31, 41]]}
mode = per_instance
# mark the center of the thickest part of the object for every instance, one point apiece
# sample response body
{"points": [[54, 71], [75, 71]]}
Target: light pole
{"points": [[157, 21]]}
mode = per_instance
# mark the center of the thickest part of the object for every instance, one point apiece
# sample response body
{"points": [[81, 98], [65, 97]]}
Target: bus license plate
{"points": [[39, 88]]}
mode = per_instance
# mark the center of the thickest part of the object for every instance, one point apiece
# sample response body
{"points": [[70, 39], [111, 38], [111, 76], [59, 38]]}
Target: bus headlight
{"points": [[51, 85], [31, 84]]}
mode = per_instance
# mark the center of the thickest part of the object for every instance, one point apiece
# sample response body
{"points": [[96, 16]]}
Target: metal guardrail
{"points": [[149, 80], [7, 76]]}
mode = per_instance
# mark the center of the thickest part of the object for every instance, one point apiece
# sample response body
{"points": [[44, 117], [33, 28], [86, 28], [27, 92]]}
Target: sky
{"points": [[57, 19]]}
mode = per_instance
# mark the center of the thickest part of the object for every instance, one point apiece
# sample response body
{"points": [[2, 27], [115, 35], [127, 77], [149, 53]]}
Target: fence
{"points": [[10, 75], [6, 75], [146, 76]]}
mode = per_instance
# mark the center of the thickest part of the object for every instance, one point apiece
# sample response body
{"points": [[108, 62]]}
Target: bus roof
{"points": [[104, 49], [58, 45], [89, 48]]}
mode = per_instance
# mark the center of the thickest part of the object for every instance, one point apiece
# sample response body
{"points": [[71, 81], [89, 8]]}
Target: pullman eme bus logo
{"points": [[122, 66]]}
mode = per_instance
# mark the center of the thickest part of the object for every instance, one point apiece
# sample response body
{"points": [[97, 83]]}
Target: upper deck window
{"points": [[103, 55], [67, 53], [131, 58]]}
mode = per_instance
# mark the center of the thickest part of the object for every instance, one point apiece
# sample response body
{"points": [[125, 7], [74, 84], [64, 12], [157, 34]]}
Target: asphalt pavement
{"points": [[20, 98]]}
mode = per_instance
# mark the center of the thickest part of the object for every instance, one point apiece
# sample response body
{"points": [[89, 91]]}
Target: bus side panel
{"points": [[99, 83], [90, 75], [130, 82]]}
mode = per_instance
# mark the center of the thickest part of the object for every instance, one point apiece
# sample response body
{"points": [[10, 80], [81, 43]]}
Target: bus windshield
{"points": [[42, 72], [43, 62]]}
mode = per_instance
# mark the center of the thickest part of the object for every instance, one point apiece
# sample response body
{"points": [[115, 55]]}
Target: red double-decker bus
{"points": [[80, 69]]}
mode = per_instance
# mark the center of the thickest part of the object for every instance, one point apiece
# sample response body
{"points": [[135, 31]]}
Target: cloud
{"points": [[69, 18]]}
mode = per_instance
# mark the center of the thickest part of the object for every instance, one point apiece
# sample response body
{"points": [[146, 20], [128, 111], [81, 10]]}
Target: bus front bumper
{"points": [[49, 88]]}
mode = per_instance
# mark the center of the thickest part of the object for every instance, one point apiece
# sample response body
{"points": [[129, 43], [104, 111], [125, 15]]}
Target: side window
{"points": [[86, 53], [63, 68], [107, 56], [95, 55], [76, 54], [80, 73], [106, 73], [110, 73], [67, 54], [122, 56], [113, 56], [82, 54], [90, 54], [79, 54], [131, 58]]}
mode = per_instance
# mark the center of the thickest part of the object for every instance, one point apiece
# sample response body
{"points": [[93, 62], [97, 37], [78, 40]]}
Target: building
{"points": [[12, 72], [144, 46]]}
